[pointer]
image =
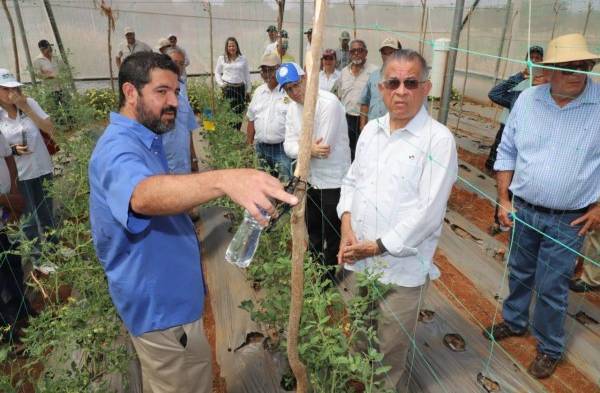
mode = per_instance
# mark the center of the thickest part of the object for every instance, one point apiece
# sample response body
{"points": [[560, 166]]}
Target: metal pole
{"points": [[301, 47], [454, 42], [501, 49], [24, 40], [212, 62], [59, 42], [587, 17], [14, 40]]}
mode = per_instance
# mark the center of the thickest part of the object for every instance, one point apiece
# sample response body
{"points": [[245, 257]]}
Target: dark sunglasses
{"points": [[568, 69], [358, 50], [328, 57], [394, 83]]}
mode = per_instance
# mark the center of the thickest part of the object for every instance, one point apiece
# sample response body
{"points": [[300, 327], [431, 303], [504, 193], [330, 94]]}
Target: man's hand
{"points": [[253, 190], [21, 149], [525, 73], [347, 237], [365, 249], [504, 211], [319, 149], [590, 220]]}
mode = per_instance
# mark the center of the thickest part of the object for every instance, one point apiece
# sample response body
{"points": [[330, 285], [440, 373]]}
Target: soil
{"points": [[461, 292], [208, 318], [477, 160]]}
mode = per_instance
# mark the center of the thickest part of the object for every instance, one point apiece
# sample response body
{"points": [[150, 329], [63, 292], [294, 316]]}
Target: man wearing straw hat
{"points": [[130, 46], [549, 158]]}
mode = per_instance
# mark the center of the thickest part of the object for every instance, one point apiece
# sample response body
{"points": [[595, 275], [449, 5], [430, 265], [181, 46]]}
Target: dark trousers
{"points": [[38, 206], [278, 163], [323, 226], [489, 163], [13, 304], [353, 131], [236, 96]]}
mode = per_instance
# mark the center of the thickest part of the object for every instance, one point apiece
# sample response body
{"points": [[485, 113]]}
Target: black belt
{"points": [[271, 144], [227, 84], [547, 210]]}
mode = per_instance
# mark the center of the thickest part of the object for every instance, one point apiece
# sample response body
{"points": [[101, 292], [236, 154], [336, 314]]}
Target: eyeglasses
{"points": [[570, 68], [358, 50], [394, 83], [328, 58]]}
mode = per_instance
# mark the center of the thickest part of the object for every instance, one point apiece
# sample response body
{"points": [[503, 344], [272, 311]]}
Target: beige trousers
{"points": [[396, 323], [591, 249], [175, 360]]}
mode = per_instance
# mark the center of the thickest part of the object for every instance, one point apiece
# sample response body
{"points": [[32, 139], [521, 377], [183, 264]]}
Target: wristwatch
{"points": [[382, 248]]}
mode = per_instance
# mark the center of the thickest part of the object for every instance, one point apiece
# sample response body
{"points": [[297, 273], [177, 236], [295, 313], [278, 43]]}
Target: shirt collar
{"points": [[145, 135], [588, 96], [414, 126]]}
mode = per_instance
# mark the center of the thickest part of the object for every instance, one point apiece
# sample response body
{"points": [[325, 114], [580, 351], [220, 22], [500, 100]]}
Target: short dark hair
{"points": [[410, 56], [136, 70]]}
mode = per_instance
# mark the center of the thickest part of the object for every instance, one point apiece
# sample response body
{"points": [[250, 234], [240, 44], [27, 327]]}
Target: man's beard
{"points": [[359, 62], [154, 123]]}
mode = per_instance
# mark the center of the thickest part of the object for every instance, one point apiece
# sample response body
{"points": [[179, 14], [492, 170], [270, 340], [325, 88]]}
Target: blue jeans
{"points": [[540, 264], [278, 163], [38, 206]]}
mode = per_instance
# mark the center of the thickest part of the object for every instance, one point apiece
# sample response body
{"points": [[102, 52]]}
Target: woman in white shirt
{"points": [[233, 76], [21, 123], [329, 74]]}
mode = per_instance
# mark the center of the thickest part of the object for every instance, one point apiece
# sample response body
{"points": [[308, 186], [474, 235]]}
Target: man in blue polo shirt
{"points": [[143, 238]]}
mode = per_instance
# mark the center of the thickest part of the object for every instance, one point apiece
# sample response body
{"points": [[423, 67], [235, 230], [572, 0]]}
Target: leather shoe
{"points": [[580, 286], [501, 331], [543, 366]]}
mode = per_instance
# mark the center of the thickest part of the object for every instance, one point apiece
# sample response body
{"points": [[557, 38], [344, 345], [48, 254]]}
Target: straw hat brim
{"points": [[568, 57]]}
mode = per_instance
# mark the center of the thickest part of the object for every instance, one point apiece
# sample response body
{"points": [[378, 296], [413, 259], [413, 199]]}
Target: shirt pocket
{"points": [[403, 173]]}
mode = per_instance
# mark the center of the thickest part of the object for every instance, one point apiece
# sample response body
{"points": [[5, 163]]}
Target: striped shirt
{"points": [[553, 151]]}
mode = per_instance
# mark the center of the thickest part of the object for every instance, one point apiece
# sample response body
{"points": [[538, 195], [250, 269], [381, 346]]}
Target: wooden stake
{"points": [[14, 39], [299, 238], [107, 11], [352, 4], [587, 17], [24, 41], [556, 13], [423, 26]]}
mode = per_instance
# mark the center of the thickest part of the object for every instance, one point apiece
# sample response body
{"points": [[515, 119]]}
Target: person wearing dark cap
{"points": [[328, 74], [308, 34], [271, 44], [371, 104], [506, 93], [46, 65]]}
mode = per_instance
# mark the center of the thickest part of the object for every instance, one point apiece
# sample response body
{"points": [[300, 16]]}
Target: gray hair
{"points": [[411, 56], [356, 40], [173, 49]]}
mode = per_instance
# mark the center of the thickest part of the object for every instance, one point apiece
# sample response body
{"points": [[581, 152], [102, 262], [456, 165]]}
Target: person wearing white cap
{"points": [[549, 158], [162, 45], [21, 122], [342, 54], [371, 104], [266, 120], [173, 40], [330, 160], [130, 46]]}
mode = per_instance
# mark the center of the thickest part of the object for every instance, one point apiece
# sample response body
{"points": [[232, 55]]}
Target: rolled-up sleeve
{"points": [[439, 174], [506, 157], [121, 174]]}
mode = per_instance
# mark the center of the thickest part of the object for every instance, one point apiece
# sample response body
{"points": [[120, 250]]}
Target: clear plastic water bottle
{"points": [[245, 241]]}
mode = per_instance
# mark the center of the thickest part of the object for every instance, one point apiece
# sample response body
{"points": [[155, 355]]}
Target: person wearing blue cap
{"points": [[330, 160]]}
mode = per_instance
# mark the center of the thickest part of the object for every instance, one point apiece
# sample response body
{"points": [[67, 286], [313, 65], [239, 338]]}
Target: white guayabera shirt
{"points": [[331, 126], [397, 190]]}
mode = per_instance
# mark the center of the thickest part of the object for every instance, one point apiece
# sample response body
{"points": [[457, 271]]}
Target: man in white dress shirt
{"points": [[392, 206], [330, 160], [266, 120]]}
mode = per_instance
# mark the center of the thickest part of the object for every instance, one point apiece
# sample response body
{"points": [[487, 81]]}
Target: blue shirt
{"points": [[152, 263], [370, 96], [177, 141], [553, 151]]}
